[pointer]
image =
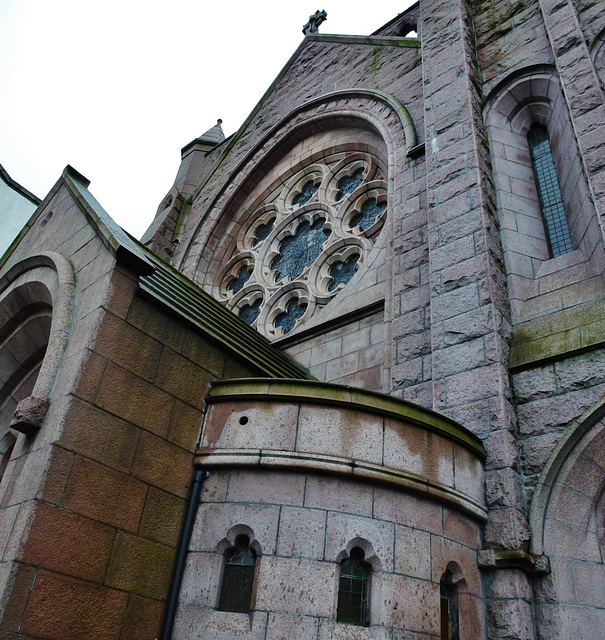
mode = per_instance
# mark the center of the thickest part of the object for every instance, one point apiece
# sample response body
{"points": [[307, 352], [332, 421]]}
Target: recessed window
{"points": [[354, 589], [238, 577], [549, 191], [449, 608]]}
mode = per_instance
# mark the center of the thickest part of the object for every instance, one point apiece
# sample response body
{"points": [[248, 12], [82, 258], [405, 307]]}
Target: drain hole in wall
{"points": [[243, 420]]}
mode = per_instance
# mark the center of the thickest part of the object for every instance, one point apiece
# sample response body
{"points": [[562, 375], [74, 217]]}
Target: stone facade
{"points": [[350, 315]]}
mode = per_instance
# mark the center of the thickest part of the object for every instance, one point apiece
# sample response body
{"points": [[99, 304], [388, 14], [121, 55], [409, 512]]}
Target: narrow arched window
{"points": [[549, 191], [354, 589], [238, 577], [449, 608]]}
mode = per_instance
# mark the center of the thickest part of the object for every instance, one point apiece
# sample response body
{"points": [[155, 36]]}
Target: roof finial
{"points": [[314, 21]]}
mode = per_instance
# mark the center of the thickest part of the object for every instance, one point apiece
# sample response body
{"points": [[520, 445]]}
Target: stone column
{"points": [[470, 323]]}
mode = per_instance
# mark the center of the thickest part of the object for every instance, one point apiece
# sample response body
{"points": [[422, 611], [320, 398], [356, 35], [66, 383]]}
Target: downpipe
{"points": [[181, 557]]}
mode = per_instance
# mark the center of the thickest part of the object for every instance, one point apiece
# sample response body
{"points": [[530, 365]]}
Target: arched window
{"points": [[549, 191], [354, 589], [238, 577], [449, 608]]}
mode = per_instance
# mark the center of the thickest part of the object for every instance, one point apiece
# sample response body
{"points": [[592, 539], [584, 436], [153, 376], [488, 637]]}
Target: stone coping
{"points": [[360, 470], [263, 389], [380, 41]]}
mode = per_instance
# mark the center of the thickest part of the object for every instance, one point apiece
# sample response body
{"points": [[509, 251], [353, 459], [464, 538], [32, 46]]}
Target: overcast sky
{"points": [[117, 88]]}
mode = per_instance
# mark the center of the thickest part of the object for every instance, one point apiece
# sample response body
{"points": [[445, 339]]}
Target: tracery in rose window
{"points": [[304, 243]]}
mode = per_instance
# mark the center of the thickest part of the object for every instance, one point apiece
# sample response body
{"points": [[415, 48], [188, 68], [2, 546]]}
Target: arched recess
{"points": [[566, 518], [316, 138], [36, 304], [530, 97]]}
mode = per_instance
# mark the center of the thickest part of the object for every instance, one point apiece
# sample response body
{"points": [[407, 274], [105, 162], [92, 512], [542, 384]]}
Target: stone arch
{"points": [[36, 305], [564, 517], [350, 125], [530, 96], [377, 110]]}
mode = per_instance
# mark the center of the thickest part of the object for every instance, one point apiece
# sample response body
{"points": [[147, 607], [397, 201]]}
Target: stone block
{"points": [[501, 449], [334, 494], [285, 627], [99, 435], [251, 425], [140, 566], [302, 533], [201, 580], [162, 518], [49, 537], [333, 630], [16, 582], [461, 529], [143, 619], [340, 432], [197, 623], [301, 587], [419, 451], [507, 529], [413, 552], [266, 487], [62, 607], [135, 400], [407, 509], [103, 494], [185, 426], [214, 521], [510, 619], [127, 347], [182, 378], [535, 383], [143, 315], [163, 465]]}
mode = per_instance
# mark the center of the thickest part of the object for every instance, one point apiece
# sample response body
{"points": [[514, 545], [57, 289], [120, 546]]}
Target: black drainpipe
{"points": [[179, 566]]}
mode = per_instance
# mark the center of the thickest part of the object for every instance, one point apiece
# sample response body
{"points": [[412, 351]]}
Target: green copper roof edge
{"points": [[400, 109], [340, 395], [381, 41]]}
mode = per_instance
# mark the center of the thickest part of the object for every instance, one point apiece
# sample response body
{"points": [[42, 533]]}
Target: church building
{"points": [[350, 384]]}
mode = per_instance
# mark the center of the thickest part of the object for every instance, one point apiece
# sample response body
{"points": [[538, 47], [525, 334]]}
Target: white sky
{"points": [[117, 88]]}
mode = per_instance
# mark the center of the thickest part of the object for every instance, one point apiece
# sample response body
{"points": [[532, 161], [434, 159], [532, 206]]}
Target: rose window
{"points": [[305, 242]]}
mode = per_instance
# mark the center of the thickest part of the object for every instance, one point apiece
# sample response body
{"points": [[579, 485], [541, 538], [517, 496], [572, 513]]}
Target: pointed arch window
{"points": [[354, 589], [549, 191], [238, 577], [449, 608]]}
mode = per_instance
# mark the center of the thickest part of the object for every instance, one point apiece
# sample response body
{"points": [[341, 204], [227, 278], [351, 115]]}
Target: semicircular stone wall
{"points": [[311, 470]]}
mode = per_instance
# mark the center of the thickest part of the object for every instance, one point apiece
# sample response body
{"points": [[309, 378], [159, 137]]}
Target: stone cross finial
{"points": [[314, 21]]}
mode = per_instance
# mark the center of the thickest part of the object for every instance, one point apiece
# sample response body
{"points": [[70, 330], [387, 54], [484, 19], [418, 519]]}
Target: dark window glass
{"points": [[238, 282], [288, 318], [348, 184], [354, 590], [238, 577], [262, 232], [549, 190], [249, 312], [449, 608], [307, 192], [370, 210], [342, 271], [299, 251]]}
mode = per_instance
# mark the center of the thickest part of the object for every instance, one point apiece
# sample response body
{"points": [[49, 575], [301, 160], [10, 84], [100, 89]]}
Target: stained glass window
{"points": [[237, 283], [300, 250], [370, 210], [549, 190], [238, 577], [307, 192], [287, 319], [348, 184], [449, 608], [354, 590], [342, 271], [249, 312], [262, 232]]}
